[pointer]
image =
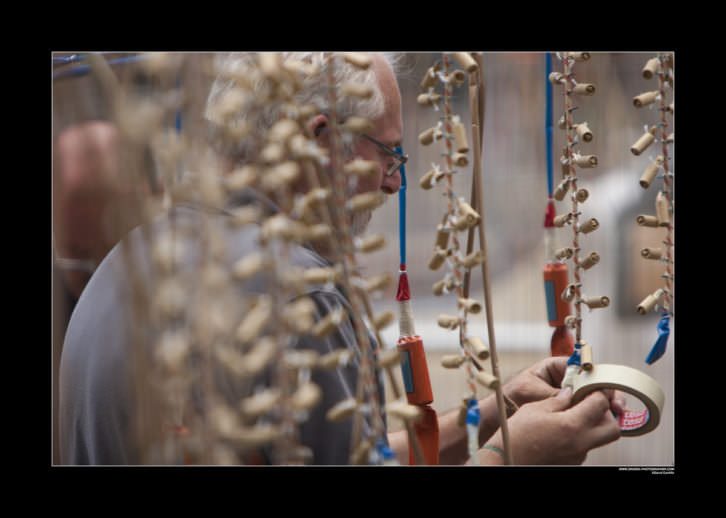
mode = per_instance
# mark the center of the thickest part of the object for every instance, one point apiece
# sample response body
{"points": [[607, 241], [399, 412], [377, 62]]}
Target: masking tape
{"points": [[630, 381]]}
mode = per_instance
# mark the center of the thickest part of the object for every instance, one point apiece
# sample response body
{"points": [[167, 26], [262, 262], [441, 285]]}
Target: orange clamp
{"points": [[555, 282], [415, 371]]}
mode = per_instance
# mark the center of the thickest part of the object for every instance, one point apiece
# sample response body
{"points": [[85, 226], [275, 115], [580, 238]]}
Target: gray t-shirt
{"points": [[96, 388]]}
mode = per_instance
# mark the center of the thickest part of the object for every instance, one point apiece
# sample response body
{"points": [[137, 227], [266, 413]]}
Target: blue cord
{"points": [[85, 69], [73, 58], [178, 117], [63, 60], [402, 211], [548, 120]]}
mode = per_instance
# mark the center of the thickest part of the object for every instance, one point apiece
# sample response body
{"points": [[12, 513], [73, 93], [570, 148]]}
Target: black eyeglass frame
{"points": [[401, 159]]}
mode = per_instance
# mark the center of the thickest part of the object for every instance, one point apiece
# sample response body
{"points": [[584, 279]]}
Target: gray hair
{"points": [[239, 98]]}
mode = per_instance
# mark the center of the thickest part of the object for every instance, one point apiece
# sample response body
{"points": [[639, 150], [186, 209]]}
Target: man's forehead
{"points": [[389, 127], [390, 136]]}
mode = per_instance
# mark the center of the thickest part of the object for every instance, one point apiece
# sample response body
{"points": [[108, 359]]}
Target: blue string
{"points": [[178, 117], [84, 69], [402, 211], [73, 58], [548, 120], [63, 60]]}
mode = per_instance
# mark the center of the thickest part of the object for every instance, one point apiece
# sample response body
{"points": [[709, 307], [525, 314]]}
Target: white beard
{"points": [[360, 219], [359, 222]]}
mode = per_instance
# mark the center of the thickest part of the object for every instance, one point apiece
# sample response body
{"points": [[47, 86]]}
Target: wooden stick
{"points": [[477, 84], [477, 87]]}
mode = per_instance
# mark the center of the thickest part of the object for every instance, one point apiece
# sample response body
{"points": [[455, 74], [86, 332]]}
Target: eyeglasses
{"points": [[398, 158]]}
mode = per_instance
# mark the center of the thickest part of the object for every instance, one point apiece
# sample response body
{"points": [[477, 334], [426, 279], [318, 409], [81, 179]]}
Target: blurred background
{"points": [[515, 197]]}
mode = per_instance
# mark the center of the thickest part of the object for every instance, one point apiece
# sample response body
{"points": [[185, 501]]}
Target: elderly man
{"points": [[98, 401]]}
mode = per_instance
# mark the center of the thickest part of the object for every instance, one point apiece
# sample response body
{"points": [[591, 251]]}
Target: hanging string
{"points": [[178, 116], [473, 418], [548, 122], [402, 213], [424, 437], [555, 271]]}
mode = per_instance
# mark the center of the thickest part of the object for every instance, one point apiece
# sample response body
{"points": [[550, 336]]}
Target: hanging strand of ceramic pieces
{"points": [[571, 159], [368, 399], [140, 121], [180, 332], [367, 395], [582, 374], [661, 67], [293, 391], [459, 216], [177, 312], [264, 326], [203, 327]]}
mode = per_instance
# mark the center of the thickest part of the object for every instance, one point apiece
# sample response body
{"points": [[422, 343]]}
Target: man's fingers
{"points": [[553, 370], [591, 409], [599, 426], [605, 431], [618, 403]]}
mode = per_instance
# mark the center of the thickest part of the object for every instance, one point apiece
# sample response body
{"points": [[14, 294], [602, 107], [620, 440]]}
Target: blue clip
{"points": [[384, 450], [575, 358], [659, 347], [472, 414]]}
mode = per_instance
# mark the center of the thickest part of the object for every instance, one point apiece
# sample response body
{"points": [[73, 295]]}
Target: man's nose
{"points": [[391, 184]]}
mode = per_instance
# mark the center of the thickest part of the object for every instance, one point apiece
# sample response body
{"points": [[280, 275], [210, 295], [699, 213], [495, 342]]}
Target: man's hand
{"points": [[540, 381], [543, 380], [551, 431]]}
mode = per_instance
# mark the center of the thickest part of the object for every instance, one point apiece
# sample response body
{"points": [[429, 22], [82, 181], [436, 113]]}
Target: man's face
{"points": [[387, 129]]}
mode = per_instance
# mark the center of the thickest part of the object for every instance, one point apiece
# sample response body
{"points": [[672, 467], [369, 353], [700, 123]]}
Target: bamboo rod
{"points": [[477, 82]]}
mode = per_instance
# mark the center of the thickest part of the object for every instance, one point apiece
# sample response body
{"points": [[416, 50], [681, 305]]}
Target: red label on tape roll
{"points": [[633, 420]]}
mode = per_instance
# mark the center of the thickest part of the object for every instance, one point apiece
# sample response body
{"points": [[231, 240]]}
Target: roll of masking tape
{"points": [[630, 381]]}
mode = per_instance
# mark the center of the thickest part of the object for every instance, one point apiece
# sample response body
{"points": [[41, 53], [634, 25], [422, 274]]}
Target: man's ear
{"points": [[318, 123]]}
